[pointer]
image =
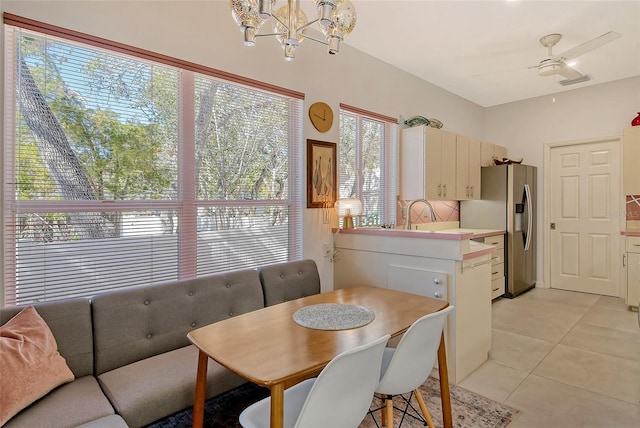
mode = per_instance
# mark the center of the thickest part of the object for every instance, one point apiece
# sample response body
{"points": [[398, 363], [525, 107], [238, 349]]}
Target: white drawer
{"points": [[633, 244], [497, 288], [417, 281], [497, 257], [497, 271], [497, 241]]}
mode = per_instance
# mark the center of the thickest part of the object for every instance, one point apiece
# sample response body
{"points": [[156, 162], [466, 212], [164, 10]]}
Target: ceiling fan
{"points": [[557, 64]]}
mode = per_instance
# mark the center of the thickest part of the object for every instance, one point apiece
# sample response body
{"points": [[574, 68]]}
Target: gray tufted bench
{"points": [[134, 341]]}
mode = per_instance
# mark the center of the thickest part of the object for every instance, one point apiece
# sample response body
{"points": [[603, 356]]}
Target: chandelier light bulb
{"points": [[264, 8], [289, 33], [290, 51], [245, 14], [325, 12], [344, 21]]}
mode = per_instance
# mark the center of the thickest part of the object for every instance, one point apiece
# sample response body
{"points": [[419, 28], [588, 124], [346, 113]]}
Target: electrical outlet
{"points": [[404, 212], [326, 249]]}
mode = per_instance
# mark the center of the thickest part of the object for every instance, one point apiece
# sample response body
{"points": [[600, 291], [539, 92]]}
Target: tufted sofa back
{"points": [[70, 322], [137, 323], [289, 281]]}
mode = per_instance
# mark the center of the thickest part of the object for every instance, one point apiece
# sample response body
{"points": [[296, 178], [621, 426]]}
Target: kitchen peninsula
{"points": [[444, 264]]}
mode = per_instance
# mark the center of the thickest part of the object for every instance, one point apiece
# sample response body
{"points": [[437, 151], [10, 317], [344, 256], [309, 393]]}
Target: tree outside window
{"points": [[118, 174]]}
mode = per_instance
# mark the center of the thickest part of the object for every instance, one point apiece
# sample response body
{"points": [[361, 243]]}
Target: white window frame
{"points": [[389, 159], [187, 204]]}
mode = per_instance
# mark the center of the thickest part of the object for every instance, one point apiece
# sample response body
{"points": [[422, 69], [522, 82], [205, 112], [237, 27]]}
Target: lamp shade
{"points": [[348, 207]]}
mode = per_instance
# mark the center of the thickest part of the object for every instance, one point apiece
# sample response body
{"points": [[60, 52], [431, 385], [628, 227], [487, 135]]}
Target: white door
{"points": [[584, 236]]}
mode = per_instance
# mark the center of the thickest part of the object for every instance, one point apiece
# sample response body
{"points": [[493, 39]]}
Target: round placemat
{"points": [[333, 316]]}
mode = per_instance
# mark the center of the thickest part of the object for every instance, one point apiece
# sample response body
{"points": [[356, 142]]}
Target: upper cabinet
{"points": [[631, 159], [467, 168], [490, 151], [436, 164], [427, 164], [499, 152]]}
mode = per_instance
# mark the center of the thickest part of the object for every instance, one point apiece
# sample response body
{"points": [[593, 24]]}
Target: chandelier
{"points": [[336, 19]]}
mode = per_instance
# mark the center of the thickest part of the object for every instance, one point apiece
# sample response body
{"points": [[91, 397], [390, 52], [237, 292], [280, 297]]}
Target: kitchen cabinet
{"points": [[439, 268], [486, 154], [468, 151], [499, 152], [490, 151], [631, 154], [497, 264], [633, 270], [427, 164]]}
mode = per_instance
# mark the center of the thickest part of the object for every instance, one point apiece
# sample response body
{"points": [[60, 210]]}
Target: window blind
{"points": [[368, 163], [123, 171]]}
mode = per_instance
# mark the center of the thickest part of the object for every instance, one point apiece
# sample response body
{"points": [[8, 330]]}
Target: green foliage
{"points": [[121, 118]]}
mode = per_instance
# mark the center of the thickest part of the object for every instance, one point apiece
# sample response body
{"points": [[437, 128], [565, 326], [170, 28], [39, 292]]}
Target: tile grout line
{"points": [[548, 353], [580, 349]]}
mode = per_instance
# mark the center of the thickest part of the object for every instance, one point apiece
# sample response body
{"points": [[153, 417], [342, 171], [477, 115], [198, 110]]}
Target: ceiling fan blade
{"points": [[589, 46], [568, 72]]}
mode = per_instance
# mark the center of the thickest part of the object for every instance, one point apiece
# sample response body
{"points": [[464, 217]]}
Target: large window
{"points": [[120, 170], [367, 163]]}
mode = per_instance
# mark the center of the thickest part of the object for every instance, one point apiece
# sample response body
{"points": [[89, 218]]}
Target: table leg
{"points": [[201, 388], [444, 384], [277, 405]]}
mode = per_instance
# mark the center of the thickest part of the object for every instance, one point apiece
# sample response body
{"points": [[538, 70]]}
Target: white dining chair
{"points": [[406, 367], [339, 397]]}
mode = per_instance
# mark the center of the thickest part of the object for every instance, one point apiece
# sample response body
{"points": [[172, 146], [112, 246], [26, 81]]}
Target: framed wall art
{"points": [[321, 174]]}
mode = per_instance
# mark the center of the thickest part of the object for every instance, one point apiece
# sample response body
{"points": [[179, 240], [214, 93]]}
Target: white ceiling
{"points": [[481, 49]]}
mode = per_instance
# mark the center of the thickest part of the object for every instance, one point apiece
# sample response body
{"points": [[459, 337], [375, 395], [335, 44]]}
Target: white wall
{"points": [[580, 114], [203, 32]]}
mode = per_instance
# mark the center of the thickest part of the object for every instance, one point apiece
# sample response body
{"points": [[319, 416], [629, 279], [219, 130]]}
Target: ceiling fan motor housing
{"points": [[549, 67]]}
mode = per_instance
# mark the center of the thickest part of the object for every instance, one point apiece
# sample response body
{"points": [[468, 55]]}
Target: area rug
{"points": [[468, 409]]}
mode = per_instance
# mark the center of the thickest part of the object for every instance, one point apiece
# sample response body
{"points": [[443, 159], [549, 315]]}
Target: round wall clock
{"points": [[321, 116]]}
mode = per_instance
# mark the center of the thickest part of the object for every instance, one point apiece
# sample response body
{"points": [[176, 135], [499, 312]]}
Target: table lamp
{"points": [[347, 208]]}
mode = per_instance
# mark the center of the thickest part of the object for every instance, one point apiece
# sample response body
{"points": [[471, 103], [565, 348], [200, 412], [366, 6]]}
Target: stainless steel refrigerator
{"points": [[508, 202]]}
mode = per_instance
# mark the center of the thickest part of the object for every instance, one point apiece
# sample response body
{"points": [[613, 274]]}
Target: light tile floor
{"points": [[565, 359]]}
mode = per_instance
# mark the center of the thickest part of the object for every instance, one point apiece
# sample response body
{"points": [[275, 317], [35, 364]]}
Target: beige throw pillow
{"points": [[30, 364]]}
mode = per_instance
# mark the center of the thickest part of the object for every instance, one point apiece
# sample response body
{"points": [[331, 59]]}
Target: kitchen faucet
{"points": [[432, 213]]}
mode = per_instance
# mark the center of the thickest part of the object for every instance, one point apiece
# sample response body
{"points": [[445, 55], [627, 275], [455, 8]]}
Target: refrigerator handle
{"points": [[527, 192]]}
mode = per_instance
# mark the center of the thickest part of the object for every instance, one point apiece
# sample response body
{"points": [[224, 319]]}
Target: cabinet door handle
{"points": [[444, 190], [439, 189], [472, 191], [624, 260]]}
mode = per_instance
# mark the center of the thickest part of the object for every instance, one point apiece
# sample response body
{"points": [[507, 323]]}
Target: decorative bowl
{"points": [[435, 123], [417, 121]]}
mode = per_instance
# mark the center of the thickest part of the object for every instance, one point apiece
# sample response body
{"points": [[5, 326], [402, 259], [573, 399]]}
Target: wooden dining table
{"points": [[267, 347]]}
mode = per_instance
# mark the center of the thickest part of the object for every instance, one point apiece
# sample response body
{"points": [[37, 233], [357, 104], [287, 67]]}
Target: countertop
{"points": [[630, 232], [465, 250], [424, 232]]}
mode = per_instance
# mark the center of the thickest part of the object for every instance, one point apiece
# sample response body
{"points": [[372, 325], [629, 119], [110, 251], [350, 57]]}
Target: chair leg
{"points": [[383, 413], [423, 407], [389, 411]]}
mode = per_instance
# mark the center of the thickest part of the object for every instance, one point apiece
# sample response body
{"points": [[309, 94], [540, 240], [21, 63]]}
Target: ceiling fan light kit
{"points": [[549, 67], [557, 64]]}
